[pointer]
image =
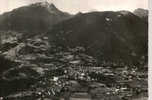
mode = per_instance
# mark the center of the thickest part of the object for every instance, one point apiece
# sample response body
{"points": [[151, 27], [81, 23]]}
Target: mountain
{"points": [[142, 13], [34, 18], [112, 36], [64, 73]]}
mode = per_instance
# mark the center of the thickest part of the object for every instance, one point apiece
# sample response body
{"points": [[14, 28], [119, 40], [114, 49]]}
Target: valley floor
{"points": [[40, 71]]}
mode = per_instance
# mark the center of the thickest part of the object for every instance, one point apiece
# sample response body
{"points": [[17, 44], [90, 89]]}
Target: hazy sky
{"points": [[74, 6]]}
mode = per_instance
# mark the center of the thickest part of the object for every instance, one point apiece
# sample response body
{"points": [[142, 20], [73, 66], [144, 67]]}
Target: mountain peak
{"points": [[49, 6], [142, 13], [52, 7], [45, 4], [41, 16]]}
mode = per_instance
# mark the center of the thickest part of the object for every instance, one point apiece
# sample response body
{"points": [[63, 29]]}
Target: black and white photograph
{"points": [[74, 49]]}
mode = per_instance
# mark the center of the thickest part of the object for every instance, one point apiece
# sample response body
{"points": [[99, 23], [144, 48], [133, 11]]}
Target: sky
{"points": [[74, 6]]}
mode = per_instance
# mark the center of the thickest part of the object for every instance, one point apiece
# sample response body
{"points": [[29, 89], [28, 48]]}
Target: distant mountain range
{"points": [[34, 18], [108, 35]]}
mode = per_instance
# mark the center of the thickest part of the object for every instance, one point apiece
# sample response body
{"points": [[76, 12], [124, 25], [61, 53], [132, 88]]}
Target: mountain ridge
{"points": [[95, 30], [36, 18], [118, 34]]}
